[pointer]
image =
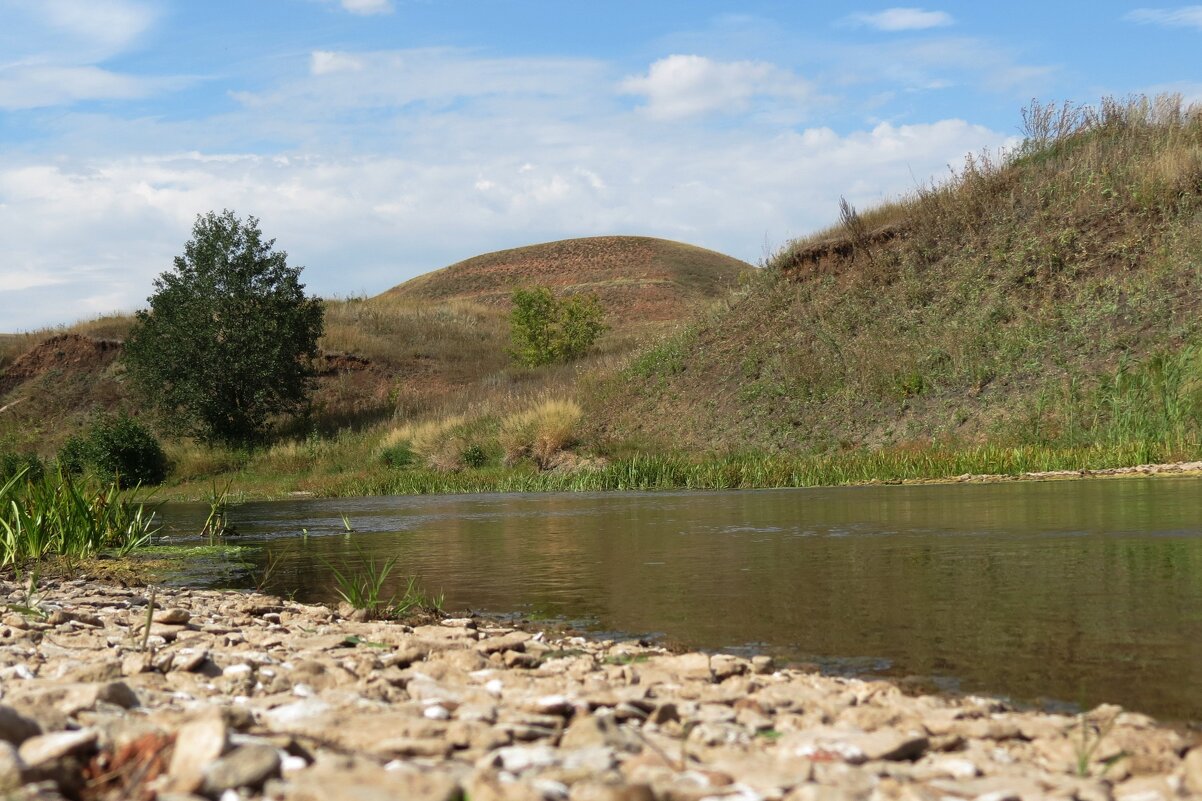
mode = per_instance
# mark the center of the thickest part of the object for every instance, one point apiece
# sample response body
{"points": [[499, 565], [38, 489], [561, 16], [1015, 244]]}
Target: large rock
{"points": [[15, 728], [198, 745], [249, 766]]}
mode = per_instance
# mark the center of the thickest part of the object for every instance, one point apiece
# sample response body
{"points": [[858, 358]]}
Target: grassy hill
{"points": [[406, 355], [1049, 296], [638, 279]]}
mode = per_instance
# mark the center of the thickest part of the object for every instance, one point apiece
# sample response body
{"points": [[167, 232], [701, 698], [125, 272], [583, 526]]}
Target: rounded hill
{"points": [[636, 278]]}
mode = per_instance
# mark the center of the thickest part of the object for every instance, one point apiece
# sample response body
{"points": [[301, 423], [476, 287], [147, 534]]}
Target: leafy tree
{"points": [[544, 329], [229, 336]]}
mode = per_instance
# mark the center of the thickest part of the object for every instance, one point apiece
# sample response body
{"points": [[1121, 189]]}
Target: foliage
{"points": [[14, 462], [364, 589], [229, 334], [546, 330], [117, 447], [59, 515]]}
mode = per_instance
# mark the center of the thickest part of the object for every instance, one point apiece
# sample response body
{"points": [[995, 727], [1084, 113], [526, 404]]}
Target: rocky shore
{"points": [[233, 695]]}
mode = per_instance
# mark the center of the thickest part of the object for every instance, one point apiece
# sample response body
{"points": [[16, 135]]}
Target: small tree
{"points": [[545, 330], [229, 335]]}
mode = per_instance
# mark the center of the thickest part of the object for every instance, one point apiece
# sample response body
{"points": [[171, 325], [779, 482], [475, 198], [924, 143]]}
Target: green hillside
{"points": [[1047, 296]]}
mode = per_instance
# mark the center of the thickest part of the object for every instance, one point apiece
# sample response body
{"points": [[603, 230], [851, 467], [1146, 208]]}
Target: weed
{"points": [[73, 518], [217, 524], [1090, 738], [363, 588]]}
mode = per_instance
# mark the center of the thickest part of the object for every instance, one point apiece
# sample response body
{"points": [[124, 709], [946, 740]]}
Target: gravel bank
{"points": [[235, 695]]}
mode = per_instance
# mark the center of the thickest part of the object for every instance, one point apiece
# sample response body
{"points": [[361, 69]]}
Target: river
{"points": [[1064, 593]]}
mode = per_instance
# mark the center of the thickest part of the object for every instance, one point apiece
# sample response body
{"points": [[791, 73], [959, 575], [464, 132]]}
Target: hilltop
{"points": [[1047, 296], [637, 278]]}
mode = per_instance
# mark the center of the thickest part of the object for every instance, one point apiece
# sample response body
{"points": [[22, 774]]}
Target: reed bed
{"points": [[758, 471], [55, 515]]}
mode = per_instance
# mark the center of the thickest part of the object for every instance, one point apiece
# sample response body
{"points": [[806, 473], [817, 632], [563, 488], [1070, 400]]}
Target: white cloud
{"points": [[54, 51], [687, 85], [902, 19], [367, 6], [325, 62], [1181, 17], [100, 230], [25, 87], [115, 24], [462, 155], [72, 31]]}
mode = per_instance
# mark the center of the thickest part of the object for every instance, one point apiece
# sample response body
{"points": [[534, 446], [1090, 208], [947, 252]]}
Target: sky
{"points": [[376, 140]]}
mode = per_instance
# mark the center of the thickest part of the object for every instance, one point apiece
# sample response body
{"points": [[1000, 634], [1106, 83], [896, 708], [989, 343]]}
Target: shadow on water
{"points": [[1077, 592]]}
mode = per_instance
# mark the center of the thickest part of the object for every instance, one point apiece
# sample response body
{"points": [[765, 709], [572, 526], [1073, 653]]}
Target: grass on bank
{"points": [[55, 515]]}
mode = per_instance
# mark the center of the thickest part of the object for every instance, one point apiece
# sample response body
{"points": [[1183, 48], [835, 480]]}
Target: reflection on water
{"points": [[1078, 592]]}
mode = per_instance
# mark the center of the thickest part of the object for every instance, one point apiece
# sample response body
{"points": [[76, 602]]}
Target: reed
{"points": [[56, 515]]}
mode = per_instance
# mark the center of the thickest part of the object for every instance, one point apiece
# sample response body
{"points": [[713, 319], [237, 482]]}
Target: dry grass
{"points": [[392, 331], [541, 431]]}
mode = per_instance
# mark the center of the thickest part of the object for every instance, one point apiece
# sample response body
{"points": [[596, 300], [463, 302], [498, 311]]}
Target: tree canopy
{"points": [[229, 336]]}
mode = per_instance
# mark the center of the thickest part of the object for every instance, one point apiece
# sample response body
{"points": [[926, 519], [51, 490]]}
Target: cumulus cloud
{"points": [[687, 85], [902, 19], [325, 62], [102, 229], [367, 6], [462, 155], [1180, 17]]}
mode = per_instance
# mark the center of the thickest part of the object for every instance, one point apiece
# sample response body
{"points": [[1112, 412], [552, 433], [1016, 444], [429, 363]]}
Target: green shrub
{"points": [[116, 446], [12, 463], [545, 330], [473, 456], [399, 455]]}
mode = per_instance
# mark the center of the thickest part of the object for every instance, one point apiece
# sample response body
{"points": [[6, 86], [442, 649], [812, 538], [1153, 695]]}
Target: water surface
{"points": [[1071, 592]]}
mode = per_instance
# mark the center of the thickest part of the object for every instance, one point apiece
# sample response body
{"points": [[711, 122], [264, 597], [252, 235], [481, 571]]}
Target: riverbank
{"points": [[262, 479], [270, 698]]}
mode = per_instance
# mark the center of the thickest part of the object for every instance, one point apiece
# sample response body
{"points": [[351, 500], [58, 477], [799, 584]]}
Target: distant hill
{"points": [[637, 278]]}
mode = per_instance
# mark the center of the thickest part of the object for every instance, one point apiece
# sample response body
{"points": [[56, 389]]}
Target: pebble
{"points": [[263, 698]]}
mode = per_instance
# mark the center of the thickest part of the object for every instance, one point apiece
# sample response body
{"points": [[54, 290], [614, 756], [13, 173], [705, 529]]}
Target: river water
{"points": [[1053, 593]]}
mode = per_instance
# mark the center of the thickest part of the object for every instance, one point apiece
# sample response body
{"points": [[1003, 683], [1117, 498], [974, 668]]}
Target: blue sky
{"points": [[379, 139]]}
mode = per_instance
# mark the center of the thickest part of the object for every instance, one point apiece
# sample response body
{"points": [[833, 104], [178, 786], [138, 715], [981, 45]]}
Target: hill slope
{"points": [[437, 342], [1052, 296], [637, 278]]}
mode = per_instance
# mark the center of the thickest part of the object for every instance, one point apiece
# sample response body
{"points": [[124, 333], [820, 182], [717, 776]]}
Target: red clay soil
{"points": [[64, 353]]}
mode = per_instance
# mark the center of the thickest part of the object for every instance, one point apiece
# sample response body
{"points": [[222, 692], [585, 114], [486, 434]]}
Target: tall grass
{"points": [[59, 516], [760, 471], [541, 432]]}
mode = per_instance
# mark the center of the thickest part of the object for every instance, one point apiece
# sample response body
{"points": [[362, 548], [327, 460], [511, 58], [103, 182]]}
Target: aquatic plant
{"points": [[363, 588], [62, 516]]}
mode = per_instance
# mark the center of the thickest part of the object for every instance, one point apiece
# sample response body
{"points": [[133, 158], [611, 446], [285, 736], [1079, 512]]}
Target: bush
{"points": [[120, 447], [12, 463], [545, 330], [473, 456]]}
